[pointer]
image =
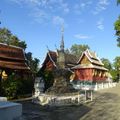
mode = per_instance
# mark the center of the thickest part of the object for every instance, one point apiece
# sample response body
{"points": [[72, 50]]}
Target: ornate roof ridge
{"points": [[11, 46]]}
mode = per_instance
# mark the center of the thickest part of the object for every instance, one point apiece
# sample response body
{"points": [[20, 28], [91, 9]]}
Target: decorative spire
{"points": [[62, 40]]}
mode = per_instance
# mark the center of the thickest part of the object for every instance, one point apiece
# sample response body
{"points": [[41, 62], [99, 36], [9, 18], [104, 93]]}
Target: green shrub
{"points": [[48, 79], [13, 88], [10, 87]]}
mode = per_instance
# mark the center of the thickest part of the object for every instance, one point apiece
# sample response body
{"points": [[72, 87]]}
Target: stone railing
{"points": [[62, 100], [96, 86], [104, 85]]}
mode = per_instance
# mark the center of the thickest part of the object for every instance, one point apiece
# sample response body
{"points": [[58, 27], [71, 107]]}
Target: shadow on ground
{"points": [[105, 106], [36, 112]]}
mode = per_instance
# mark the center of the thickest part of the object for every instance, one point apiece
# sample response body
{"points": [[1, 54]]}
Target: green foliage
{"points": [[8, 38], [106, 63], [116, 63], [48, 79], [77, 49], [33, 63], [114, 74], [13, 88], [10, 87], [116, 71], [117, 27], [118, 2], [27, 87]]}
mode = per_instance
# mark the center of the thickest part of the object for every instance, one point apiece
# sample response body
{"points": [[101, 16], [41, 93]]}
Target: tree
{"points": [[78, 49], [33, 63], [8, 38], [116, 65], [117, 27], [106, 63], [118, 2]]}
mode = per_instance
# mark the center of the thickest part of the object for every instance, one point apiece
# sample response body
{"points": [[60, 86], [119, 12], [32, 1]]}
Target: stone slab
{"points": [[10, 111]]}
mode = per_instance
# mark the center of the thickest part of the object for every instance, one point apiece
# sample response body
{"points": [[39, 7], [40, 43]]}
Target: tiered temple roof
{"points": [[12, 57], [70, 60], [94, 61]]}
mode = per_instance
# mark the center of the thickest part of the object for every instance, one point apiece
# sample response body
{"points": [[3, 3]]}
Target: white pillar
{"points": [[85, 95], [96, 86], [78, 98], [91, 95]]}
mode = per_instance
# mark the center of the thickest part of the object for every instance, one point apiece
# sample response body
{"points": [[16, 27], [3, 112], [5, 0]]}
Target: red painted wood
{"points": [[87, 74]]}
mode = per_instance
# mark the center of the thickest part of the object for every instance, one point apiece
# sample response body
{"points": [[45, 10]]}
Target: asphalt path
{"points": [[105, 106]]}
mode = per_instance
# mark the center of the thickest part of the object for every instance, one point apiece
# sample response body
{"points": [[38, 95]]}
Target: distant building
{"points": [[90, 68]]}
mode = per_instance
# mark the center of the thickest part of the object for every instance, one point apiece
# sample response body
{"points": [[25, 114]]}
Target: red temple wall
{"points": [[49, 65], [87, 74], [83, 74]]}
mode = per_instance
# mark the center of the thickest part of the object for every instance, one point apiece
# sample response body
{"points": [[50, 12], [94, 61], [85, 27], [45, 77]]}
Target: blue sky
{"points": [[38, 22]]}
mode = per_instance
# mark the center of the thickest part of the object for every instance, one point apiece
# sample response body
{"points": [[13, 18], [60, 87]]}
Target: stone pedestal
{"points": [[61, 83], [10, 111]]}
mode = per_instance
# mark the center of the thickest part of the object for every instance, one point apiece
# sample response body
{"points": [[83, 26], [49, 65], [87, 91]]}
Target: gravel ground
{"points": [[105, 106]]}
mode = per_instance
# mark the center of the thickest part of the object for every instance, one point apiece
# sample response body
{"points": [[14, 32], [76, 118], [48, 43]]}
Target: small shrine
{"points": [[90, 68]]}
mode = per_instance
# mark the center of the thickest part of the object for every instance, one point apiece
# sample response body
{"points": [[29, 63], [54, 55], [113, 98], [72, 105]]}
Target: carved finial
{"points": [[47, 48]]}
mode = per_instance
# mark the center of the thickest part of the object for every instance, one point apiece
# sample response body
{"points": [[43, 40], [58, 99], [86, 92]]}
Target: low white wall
{"points": [[104, 85], [97, 86], [3, 99]]}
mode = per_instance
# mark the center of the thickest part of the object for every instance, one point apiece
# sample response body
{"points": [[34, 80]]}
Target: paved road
{"points": [[106, 106]]}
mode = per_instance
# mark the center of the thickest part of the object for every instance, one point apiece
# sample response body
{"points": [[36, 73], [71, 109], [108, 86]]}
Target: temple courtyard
{"points": [[105, 106]]}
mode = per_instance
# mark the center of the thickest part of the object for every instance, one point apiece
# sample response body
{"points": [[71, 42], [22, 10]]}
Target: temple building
{"points": [[90, 68], [12, 59], [59, 59]]}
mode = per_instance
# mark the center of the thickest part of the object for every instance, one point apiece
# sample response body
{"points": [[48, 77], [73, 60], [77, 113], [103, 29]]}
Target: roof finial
{"points": [[47, 48], [62, 40]]}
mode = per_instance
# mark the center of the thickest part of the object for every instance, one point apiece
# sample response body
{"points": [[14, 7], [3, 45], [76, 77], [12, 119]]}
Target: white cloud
{"points": [[100, 24], [82, 5], [57, 20], [80, 36], [27, 2], [43, 10], [101, 6], [64, 7], [103, 2], [56, 4], [39, 16]]}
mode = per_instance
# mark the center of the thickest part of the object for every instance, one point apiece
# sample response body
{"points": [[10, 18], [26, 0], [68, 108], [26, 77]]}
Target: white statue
{"points": [[38, 86]]}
